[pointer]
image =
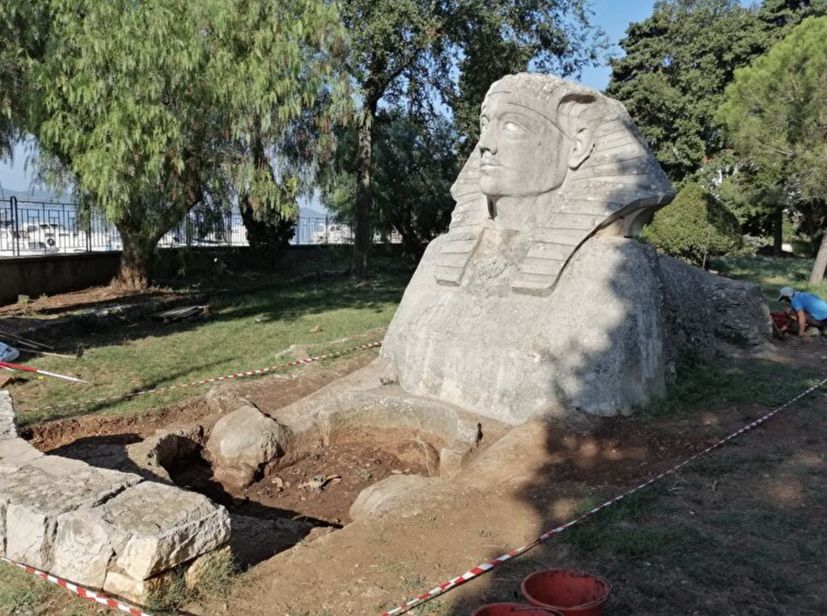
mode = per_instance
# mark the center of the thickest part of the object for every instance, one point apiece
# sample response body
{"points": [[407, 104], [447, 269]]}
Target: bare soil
{"points": [[348, 468], [92, 297], [739, 532]]}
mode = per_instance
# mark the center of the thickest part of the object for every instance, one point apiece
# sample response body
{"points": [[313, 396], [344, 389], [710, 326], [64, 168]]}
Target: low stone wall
{"points": [[97, 527]]}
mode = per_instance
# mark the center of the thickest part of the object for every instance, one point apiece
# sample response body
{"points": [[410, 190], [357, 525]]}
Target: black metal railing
{"points": [[33, 227]]}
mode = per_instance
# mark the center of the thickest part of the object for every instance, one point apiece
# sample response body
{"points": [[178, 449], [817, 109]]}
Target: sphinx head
{"points": [[534, 129]]}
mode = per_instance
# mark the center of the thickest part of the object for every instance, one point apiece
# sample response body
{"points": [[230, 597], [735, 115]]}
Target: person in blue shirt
{"points": [[809, 309]]}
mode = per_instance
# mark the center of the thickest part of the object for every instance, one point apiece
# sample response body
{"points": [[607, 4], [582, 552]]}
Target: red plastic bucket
{"points": [[572, 593], [514, 609]]}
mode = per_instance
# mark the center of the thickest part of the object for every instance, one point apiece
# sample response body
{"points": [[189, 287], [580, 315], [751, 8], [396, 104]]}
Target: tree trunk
{"points": [[777, 233], [817, 273], [364, 191], [135, 269]]}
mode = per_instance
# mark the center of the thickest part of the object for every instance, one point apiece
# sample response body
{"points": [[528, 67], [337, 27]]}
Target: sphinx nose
{"points": [[487, 142]]}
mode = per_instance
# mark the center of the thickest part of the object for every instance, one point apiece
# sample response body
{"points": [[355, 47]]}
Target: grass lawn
{"points": [[23, 594], [254, 330], [771, 273]]}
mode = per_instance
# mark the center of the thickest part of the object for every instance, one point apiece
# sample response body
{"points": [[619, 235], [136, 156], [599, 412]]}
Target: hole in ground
{"points": [[280, 509], [284, 505]]}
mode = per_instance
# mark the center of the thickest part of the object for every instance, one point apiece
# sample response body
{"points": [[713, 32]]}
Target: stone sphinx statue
{"points": [[558, 162], [537, 300]]}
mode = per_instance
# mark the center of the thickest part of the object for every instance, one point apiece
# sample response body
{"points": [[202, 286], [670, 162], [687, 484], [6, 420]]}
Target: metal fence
{"points": [[32, 228]]}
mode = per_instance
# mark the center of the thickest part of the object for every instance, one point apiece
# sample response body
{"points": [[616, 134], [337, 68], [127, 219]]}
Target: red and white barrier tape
{"points": [[84, 593], [495, 562], [216, 379]]}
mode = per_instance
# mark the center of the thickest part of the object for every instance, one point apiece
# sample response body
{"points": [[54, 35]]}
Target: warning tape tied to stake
{"points": [[85, 593], [487, 566], [215, 379]]}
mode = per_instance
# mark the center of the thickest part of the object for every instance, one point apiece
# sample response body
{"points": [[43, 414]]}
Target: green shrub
{"points": [[694, 227]]}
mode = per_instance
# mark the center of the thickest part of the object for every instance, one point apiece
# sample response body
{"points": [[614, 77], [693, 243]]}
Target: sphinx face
{"points": [[522, 153]]}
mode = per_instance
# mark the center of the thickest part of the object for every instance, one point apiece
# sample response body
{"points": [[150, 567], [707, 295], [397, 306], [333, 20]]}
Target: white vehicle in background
{"points": [[47, 237], [335, 234]]}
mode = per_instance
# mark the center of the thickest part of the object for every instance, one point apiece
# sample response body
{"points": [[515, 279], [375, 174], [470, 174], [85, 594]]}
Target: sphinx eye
{"points": [[483, 122], [513, 127]]}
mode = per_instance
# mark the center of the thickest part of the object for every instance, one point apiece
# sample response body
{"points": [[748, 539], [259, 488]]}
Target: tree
{"points": [[154, 106], [678, 62], [776, 119], [694, 227], [414, 165], [412, 50], [20, 30]]}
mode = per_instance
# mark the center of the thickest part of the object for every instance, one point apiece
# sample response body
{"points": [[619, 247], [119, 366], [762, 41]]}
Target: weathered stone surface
{"points": [[238, 477], [535, 301], [709, 314], [98, 527], [139, 591], [157, 453], [399, 493], [225, 398], [37, 494], [246, 437], [7, 425], [16, 453], [391, 408], [83, 548], [147, 529], [453, 458], [189, 523], [595, 344]]}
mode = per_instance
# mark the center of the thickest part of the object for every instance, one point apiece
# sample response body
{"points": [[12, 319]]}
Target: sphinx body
{"points": [[538, 299]]}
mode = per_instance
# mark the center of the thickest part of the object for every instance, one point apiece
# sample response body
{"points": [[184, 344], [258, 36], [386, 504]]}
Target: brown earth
{"points": [[739, 532]]}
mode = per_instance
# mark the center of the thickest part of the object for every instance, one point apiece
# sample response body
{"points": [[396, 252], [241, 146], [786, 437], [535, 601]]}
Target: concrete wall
{"points": [[50, 274]]}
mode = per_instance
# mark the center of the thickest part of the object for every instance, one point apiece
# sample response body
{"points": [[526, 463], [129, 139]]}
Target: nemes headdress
{"points": [[614, 191]]}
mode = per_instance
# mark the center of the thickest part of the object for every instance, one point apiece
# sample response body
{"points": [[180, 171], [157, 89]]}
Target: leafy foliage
{"points": [[776, 116], [694, 227], [680, 59], [498, 38], [20, 32], [777, 121], [414, 166]]}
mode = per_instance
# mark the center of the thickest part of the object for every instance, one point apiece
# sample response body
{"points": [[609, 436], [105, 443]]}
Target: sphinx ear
{"points": [[574, 111], [581, 148]]}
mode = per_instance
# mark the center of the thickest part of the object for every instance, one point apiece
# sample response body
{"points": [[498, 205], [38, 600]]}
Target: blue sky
{"points": [[613, 16]]}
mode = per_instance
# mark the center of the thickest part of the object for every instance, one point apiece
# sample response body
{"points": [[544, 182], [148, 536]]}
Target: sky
{"points": [[613, 16]]}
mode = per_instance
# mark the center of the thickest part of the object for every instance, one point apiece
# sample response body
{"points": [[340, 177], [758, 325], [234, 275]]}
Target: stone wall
{"points": [[97, 527]]}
